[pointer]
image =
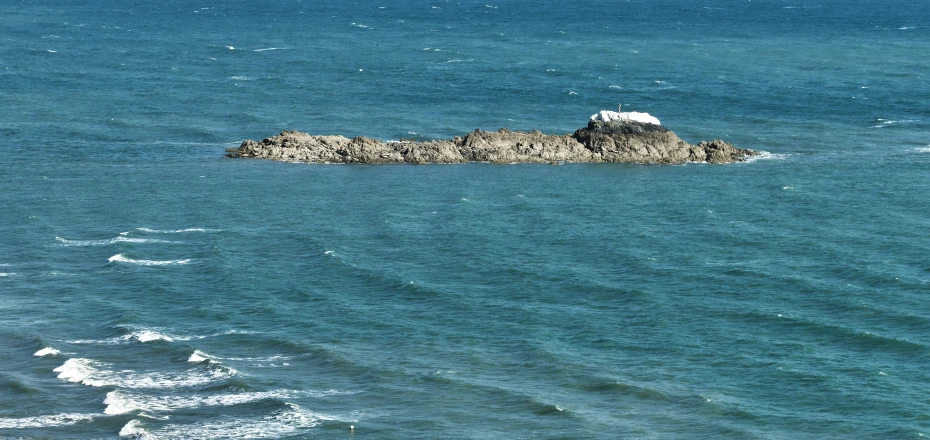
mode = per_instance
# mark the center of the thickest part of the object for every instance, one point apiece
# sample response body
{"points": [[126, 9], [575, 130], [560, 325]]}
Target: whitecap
{"points": [[267, 49], [96, 374], [177, 231], [118, 239], [134, 429], [288, 421], [6, 274], [198, 356], [923, 149], [241, 78], [230, 47], [46, 421], [47, 351], [122, 402], [765, 155], [149, 335], [120, 258]]}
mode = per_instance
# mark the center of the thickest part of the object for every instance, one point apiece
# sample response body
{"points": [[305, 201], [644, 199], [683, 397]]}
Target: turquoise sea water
{"points": [[150, 288]]}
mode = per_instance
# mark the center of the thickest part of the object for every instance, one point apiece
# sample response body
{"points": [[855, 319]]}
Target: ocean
{"points": [[152, 289]]}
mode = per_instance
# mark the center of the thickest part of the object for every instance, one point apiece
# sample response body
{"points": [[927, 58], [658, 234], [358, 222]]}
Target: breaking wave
{"points": [[122, 402], [47, 351], [177, 231], [45, 421], [109, 241], [96, 374], [120, 258], [290, 420]]}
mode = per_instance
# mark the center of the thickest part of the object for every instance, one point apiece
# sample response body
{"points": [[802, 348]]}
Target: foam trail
{"points": [[45, 421], [47, 351], [120, 258], [122, 402], [92, 373], [109, 241], [289, 421], [765, 155], [177, 231], [145, 335]]}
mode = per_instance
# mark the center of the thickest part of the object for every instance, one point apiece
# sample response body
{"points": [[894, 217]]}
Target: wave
{"points": [[288, 421], [177, 231], [122, 402], [886, 122], [135, 430], [47, 351], [198, 356], [6, 274], [120, 258], [118, 239], [92, 373], [269, 48], [922, 149], [149, 335], [765, 155], [45, 421]]}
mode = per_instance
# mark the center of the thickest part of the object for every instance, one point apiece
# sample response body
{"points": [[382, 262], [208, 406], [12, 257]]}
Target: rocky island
{"points": [[629, 137]]}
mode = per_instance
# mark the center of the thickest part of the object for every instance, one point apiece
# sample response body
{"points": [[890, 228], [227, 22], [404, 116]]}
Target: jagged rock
{"points": [[601, 141], [719, 151], [505, 146]]}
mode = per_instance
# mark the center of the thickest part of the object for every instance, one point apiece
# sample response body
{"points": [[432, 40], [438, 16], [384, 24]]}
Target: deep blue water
{"points": [[150, 288]]}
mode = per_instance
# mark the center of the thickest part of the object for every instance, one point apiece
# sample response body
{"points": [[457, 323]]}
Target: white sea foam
{"points": [[122, 402], [198, 356], [119, 239], [47, 421], [47, 351], [134, 428], [177, 231], [923, 149], [148, 335], [96, 374], [268, 48], [886, 122], [6, 274], [288, 421], [120, 258], [765, 155]]}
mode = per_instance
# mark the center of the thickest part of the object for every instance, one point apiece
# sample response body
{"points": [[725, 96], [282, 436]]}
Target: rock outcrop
{"points": [[601, 141]]}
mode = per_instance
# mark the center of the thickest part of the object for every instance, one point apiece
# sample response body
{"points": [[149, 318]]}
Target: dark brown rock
{"points": [[629, 142]]}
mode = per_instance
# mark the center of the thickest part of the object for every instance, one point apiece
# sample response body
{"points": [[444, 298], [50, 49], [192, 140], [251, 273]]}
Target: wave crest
{"points": [[176, 231], [120, 258], [45, 421], [92, 373]]}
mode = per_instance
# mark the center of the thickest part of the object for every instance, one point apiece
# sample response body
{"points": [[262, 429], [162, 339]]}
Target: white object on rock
{"points": [[607, 116]]}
